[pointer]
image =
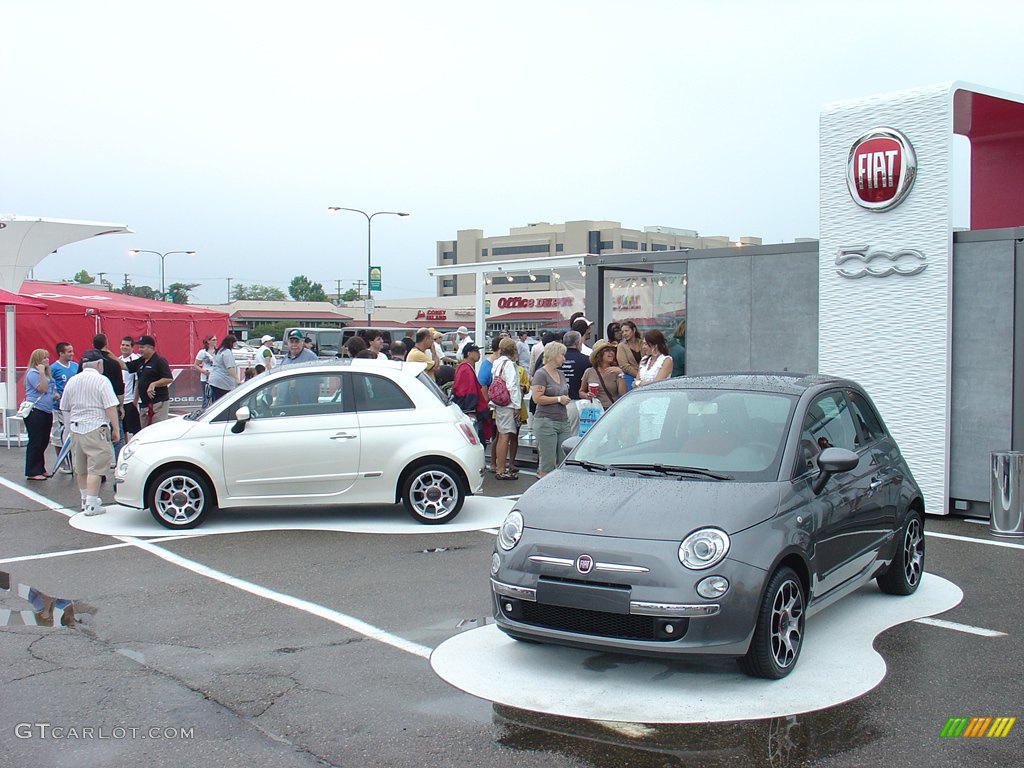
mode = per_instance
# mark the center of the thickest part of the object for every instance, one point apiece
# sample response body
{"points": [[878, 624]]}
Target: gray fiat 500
{"points": [[710, 515]]}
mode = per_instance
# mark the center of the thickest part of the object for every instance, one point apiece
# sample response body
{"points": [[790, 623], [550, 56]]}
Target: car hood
{"points": [[632, 507], [172, 429]]}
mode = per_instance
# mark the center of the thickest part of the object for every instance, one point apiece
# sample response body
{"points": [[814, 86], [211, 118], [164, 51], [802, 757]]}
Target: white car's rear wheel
{"points": [[433, 494]]}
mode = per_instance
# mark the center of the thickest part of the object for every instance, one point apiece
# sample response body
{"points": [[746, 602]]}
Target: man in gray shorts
{"points": [[89, 406]]}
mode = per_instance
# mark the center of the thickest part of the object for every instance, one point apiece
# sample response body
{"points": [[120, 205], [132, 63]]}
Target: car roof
{"points": [[396, 367], [785, 382]]}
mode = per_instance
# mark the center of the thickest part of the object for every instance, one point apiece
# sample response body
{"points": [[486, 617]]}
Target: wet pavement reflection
{"points": [[779, 742], [46, 611]]}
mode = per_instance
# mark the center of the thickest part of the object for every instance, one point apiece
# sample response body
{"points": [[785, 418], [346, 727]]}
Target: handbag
{"points": [[24, 409], [498, 390]]}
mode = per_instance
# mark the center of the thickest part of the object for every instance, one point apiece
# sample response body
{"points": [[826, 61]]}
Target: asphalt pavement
{"points": [[310, 648]]}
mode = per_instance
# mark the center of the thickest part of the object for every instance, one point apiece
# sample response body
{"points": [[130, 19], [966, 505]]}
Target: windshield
{"points": [[734, 433]]}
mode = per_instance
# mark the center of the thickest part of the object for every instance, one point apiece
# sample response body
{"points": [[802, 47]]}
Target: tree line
{"points": [[301, 288]]}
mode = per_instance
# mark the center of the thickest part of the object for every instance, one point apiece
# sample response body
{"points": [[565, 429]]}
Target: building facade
{"points": [[543, 239]]}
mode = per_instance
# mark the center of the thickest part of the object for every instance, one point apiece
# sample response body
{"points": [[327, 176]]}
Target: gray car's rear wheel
{"points": [[779, 631], [433, 494], [179, 498], [904, 575]]}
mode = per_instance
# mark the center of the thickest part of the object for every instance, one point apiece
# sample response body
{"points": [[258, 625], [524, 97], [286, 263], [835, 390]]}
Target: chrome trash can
{"points": [[1007, 504]]}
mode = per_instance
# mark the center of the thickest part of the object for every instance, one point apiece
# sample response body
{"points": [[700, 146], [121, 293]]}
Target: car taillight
{"points": [[468, 433]]}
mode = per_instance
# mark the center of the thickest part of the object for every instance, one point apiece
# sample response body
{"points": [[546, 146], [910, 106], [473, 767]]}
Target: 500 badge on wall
{"points": [[881, 169], [859, 261]]}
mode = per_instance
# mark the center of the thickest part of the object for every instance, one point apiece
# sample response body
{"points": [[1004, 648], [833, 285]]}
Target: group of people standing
{"points": [[97, 401], [559, 373]]}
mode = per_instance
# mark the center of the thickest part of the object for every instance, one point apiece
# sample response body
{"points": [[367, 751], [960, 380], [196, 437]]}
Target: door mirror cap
{"points": [[570, 443], [834, 460], [242, 415]]}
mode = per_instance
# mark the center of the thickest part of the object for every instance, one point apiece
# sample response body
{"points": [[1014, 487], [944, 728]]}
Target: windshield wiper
{"points": [[669, 469], [587, 465]]}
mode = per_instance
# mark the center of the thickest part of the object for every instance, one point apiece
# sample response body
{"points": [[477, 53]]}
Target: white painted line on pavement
{"points": [[973, 540], [961, 627], [47, 555], [349, 622]]}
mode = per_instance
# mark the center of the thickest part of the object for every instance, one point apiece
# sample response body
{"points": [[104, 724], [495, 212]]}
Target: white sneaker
{"points": [[94, 509]]}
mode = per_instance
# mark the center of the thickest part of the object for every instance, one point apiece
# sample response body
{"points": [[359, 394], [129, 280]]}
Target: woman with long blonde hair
{"points": [[41, 391]]}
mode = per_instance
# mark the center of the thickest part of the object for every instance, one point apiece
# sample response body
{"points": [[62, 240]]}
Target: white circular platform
{"points": [[477, 513], [837, 664]]}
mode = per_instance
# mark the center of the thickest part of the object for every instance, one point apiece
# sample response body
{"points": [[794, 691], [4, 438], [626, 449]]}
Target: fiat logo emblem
{"points": [[881, 169], [584, 563]]}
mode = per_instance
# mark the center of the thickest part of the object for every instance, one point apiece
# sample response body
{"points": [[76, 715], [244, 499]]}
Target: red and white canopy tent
{"points": [[24, 242]]}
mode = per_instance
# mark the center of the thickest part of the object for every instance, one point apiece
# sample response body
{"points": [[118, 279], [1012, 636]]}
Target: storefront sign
{"points": [[432, 315], [523, 302], [881, 169]]}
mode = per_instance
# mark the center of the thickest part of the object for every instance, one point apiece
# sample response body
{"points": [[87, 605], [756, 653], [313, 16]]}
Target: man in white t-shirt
{"points": [[464, 339], [265, 354], [90, 411], [130, 421]]}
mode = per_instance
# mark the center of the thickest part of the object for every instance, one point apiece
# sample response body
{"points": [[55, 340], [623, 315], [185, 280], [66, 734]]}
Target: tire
{"points": [[179, 498], [779, 631], [433, 494], [904, 574]]}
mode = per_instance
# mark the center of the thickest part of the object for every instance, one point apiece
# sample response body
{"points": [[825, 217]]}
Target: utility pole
{"points": [[338, 290], [100, 277], [126, 282], [359, 286], [229, 290]]}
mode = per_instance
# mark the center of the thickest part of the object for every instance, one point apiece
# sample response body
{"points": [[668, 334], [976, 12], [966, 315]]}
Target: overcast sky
{"points": [[228, 127]]}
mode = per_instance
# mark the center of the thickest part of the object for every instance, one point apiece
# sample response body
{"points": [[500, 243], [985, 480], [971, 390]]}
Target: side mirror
{"points": [[832, 461], [242, 415], [570, 443]]}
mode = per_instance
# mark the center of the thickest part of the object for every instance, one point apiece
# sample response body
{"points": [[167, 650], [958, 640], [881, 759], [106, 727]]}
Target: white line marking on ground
{"points": [[349, 622], [961, 627], [46, 555], [973, 540]]}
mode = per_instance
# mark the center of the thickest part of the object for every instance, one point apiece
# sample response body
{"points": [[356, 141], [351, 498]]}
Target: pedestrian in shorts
{"points": [[90, 411]]}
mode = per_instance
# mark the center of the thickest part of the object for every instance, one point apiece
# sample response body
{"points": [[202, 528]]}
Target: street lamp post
{"points": [[163, 288], [369, 245]]}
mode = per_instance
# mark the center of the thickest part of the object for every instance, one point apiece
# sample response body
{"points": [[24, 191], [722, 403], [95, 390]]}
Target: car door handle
{"points": [[343, 436]]}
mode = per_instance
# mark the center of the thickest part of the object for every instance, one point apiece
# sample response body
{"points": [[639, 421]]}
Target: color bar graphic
{"points": [[977, 727]]}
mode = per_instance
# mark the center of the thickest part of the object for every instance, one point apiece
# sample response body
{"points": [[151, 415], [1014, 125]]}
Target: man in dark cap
{"points": [[89, 406], [154, 378]]}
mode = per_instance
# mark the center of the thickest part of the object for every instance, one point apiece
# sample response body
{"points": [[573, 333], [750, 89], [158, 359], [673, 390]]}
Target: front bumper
{"points": [[643, 602]]}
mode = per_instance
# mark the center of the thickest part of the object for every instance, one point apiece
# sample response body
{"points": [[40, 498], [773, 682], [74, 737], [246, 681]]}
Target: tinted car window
{"points": [[735, 432], [868, 421], [377, 393], [828, 423], [309, 394]]}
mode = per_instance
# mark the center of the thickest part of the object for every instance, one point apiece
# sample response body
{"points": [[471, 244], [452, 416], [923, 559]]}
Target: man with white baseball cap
{"points": [[582, 326], [464, 339], [89, 406], [266, 352]]}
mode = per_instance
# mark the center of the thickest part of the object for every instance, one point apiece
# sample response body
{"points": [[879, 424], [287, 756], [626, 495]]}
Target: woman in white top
{"points": [[224, 373], [656, 363], [506, 417], [203, 364]]}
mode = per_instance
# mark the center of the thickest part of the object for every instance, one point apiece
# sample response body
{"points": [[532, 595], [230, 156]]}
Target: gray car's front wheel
{"points": [[180, 498], [907, 569], [779, 632], [433, 494]]}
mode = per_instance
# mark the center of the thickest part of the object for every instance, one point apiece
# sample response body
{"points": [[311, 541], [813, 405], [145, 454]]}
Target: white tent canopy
{"points": [[24, 242]]}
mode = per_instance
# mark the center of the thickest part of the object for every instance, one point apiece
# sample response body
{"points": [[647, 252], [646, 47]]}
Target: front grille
{"points": [[598, 623]]}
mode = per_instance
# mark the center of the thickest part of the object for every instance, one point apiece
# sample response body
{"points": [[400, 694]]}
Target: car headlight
{"points": [[128, 450], [511, 530], [704, 548]]}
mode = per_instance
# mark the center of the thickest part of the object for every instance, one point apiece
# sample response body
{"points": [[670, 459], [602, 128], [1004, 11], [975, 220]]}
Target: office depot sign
{"points": [[524, 302], [881, 169]]}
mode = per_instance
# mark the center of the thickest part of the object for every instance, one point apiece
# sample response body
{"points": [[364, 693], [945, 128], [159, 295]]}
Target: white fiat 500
{"points": [[316, 434]]}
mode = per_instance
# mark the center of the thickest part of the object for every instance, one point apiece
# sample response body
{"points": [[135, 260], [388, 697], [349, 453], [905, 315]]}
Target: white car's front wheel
{"points": [[433, 494], [180, 498]]}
